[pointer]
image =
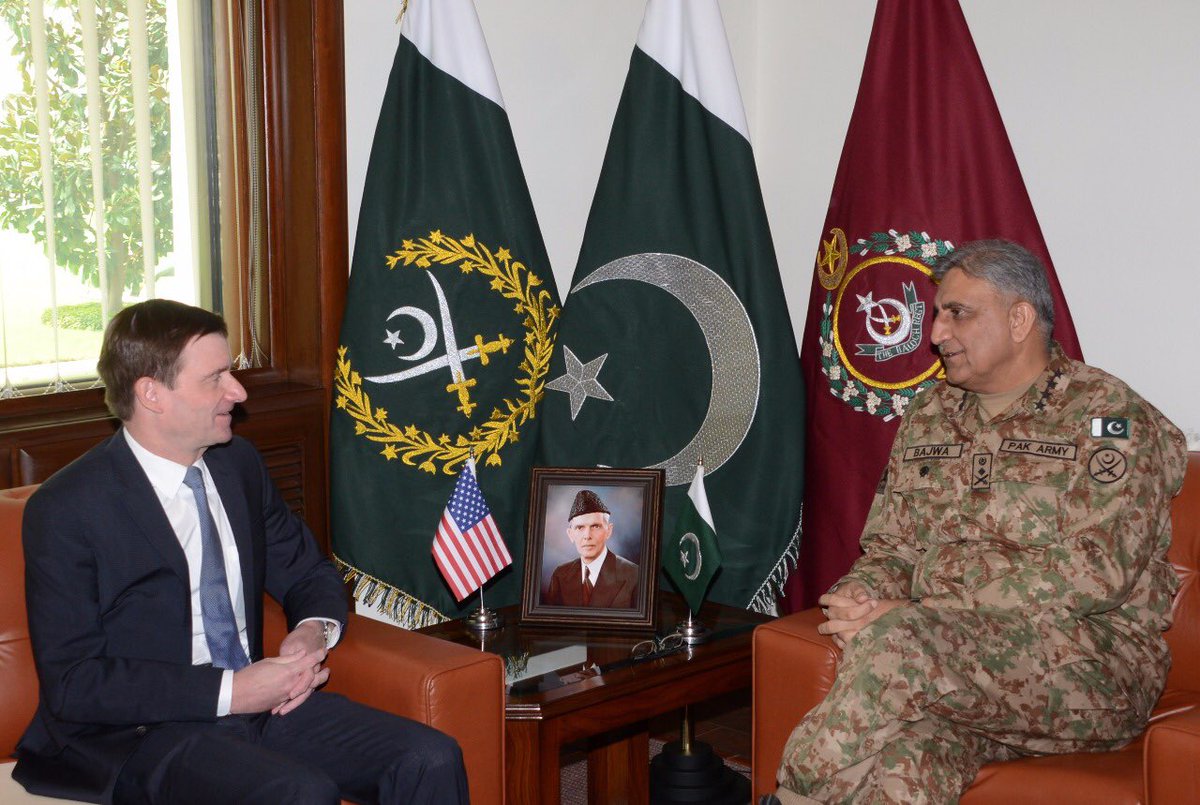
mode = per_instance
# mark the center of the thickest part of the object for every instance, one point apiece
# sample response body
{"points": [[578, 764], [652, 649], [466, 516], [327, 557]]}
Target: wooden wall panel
{"points": [[289, 430], [36, 453], [37, 462], [287, 425]]}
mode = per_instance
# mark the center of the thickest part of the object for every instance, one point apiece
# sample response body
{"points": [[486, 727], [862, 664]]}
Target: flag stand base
{"points": [[688, 771], [693, 631], [483, 620]]}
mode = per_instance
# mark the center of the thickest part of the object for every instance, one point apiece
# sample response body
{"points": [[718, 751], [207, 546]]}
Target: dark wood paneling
{"points": [[329, 86], [306, 178], [285, 462], [37, 462], [285, 423], [288, 428], [37, 450]]}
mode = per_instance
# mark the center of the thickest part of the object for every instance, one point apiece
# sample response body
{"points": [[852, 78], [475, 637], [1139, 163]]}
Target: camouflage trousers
{"points": [[924, 697]]}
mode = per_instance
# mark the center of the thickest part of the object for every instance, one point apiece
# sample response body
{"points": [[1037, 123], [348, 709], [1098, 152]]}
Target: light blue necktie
{"points": [[220, 626]]}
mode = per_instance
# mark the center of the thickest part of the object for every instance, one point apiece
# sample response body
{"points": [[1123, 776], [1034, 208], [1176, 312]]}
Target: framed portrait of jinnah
{"points": [[592, 551]]}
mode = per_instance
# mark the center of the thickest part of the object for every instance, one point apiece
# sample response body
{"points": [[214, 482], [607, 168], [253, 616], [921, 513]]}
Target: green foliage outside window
{"points": [[21, 200]]}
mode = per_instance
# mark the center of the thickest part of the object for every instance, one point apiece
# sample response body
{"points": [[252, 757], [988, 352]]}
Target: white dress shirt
{"points": [[594, 566], [179, 504]]}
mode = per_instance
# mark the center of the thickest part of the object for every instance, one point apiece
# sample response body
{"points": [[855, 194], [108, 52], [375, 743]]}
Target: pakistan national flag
{"points": [[692, 555], [448, 327], [675, 342]]}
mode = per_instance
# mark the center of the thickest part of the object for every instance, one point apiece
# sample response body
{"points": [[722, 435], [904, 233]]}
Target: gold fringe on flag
{"points": [[407, 612]]}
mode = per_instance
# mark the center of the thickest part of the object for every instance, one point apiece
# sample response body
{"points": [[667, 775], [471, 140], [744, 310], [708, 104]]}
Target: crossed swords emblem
{"points": [[454, 358]]}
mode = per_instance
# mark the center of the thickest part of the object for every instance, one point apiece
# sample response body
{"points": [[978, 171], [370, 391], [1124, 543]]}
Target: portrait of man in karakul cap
{"points": [[598, 578]]}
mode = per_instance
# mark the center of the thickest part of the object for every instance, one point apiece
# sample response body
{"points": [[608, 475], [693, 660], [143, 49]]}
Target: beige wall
{"points": [[1101, 99]]}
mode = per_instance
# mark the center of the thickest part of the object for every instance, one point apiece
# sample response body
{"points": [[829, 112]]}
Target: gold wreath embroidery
{"points": [[511, 279]]}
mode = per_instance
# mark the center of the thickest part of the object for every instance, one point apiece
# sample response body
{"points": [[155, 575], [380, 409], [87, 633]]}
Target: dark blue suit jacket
{"points": [[109, 604]]}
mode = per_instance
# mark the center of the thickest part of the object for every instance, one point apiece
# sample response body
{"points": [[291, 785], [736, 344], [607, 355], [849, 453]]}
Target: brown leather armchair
{"points": [[454, 688], [794, 667]]}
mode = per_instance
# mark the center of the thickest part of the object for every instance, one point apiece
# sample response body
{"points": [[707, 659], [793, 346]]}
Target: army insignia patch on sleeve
{"points": [[1107, 465], [1112, 427]]}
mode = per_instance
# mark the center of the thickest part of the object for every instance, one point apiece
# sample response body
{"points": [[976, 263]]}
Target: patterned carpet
{"points": [[573, 790]]}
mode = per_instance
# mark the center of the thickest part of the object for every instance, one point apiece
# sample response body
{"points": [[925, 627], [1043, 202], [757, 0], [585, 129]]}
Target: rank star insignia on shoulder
{"points": [[1110, 427]]}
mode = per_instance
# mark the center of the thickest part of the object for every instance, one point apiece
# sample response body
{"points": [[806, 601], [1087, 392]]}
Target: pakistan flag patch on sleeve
{"points": [[1110, 427]]}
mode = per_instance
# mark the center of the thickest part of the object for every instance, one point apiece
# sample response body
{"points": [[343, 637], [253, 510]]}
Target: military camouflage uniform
{"points": [[1034, 557]]}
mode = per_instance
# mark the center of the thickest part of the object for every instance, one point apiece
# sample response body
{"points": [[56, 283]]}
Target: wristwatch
{"points": [[330, 631]]}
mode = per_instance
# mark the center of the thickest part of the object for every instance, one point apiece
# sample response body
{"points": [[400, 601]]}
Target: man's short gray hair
{"points": [[1010, 268]]}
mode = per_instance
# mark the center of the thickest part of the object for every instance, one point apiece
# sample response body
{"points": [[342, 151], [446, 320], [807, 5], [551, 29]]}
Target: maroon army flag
{"points": [[926, 165]]}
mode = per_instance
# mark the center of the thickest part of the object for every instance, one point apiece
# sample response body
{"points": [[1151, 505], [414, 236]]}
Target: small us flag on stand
{"points": [[468, 547]]}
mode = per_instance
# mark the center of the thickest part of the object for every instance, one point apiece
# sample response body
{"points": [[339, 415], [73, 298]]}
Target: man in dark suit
{"points": [[598, 578], [146, 563]]}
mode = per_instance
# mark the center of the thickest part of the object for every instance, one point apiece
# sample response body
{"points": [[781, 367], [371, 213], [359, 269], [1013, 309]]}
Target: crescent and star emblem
{"points": [[692, 542], [1115, 427], [732, 348], [831, 261], [902, 319], [453, 359]]}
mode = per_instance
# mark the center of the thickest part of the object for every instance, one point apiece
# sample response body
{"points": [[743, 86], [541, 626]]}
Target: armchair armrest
{"points": [[794, 667], [1172, 759], [456, 689]]}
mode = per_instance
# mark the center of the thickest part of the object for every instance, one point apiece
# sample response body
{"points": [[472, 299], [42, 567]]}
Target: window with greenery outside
{"points": [[106, 145]]}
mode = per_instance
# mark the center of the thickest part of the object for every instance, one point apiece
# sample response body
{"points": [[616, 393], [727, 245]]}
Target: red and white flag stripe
{"points": [[467, 559]]}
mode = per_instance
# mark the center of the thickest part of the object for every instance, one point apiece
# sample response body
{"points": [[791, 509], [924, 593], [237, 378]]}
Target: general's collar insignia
{"points": [[1050, 388]]}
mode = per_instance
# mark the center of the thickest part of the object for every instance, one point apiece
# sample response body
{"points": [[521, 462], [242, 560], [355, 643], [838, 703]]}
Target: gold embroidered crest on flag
{"points": [[874, 333], [512, 280]]}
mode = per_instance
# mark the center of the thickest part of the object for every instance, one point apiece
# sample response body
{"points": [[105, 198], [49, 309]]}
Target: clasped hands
{"points": [[848, 609], [281, 684]]}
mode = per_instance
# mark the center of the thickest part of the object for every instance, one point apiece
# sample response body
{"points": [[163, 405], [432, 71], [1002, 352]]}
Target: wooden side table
{"points": [[604, 695]]}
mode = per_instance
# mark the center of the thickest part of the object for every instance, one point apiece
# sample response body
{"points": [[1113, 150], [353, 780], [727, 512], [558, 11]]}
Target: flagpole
{"points": [[675, 772], [694, 632], [482, 619]]}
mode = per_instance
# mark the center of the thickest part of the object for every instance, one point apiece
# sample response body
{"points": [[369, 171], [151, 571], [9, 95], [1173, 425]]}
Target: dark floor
{"points": [[723, 722]]}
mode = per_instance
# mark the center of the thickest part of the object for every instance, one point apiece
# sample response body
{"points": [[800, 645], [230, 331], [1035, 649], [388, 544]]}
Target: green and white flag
{"points": [[676, 344], [449, 323], [692, 556]]}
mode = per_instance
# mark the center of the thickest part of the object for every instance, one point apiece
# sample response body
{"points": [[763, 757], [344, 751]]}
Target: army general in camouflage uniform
{"points": [[1014, 587]]}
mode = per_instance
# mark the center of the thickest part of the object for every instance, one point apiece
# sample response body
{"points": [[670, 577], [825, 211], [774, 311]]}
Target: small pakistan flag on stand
{"points": [[692, 557]]}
